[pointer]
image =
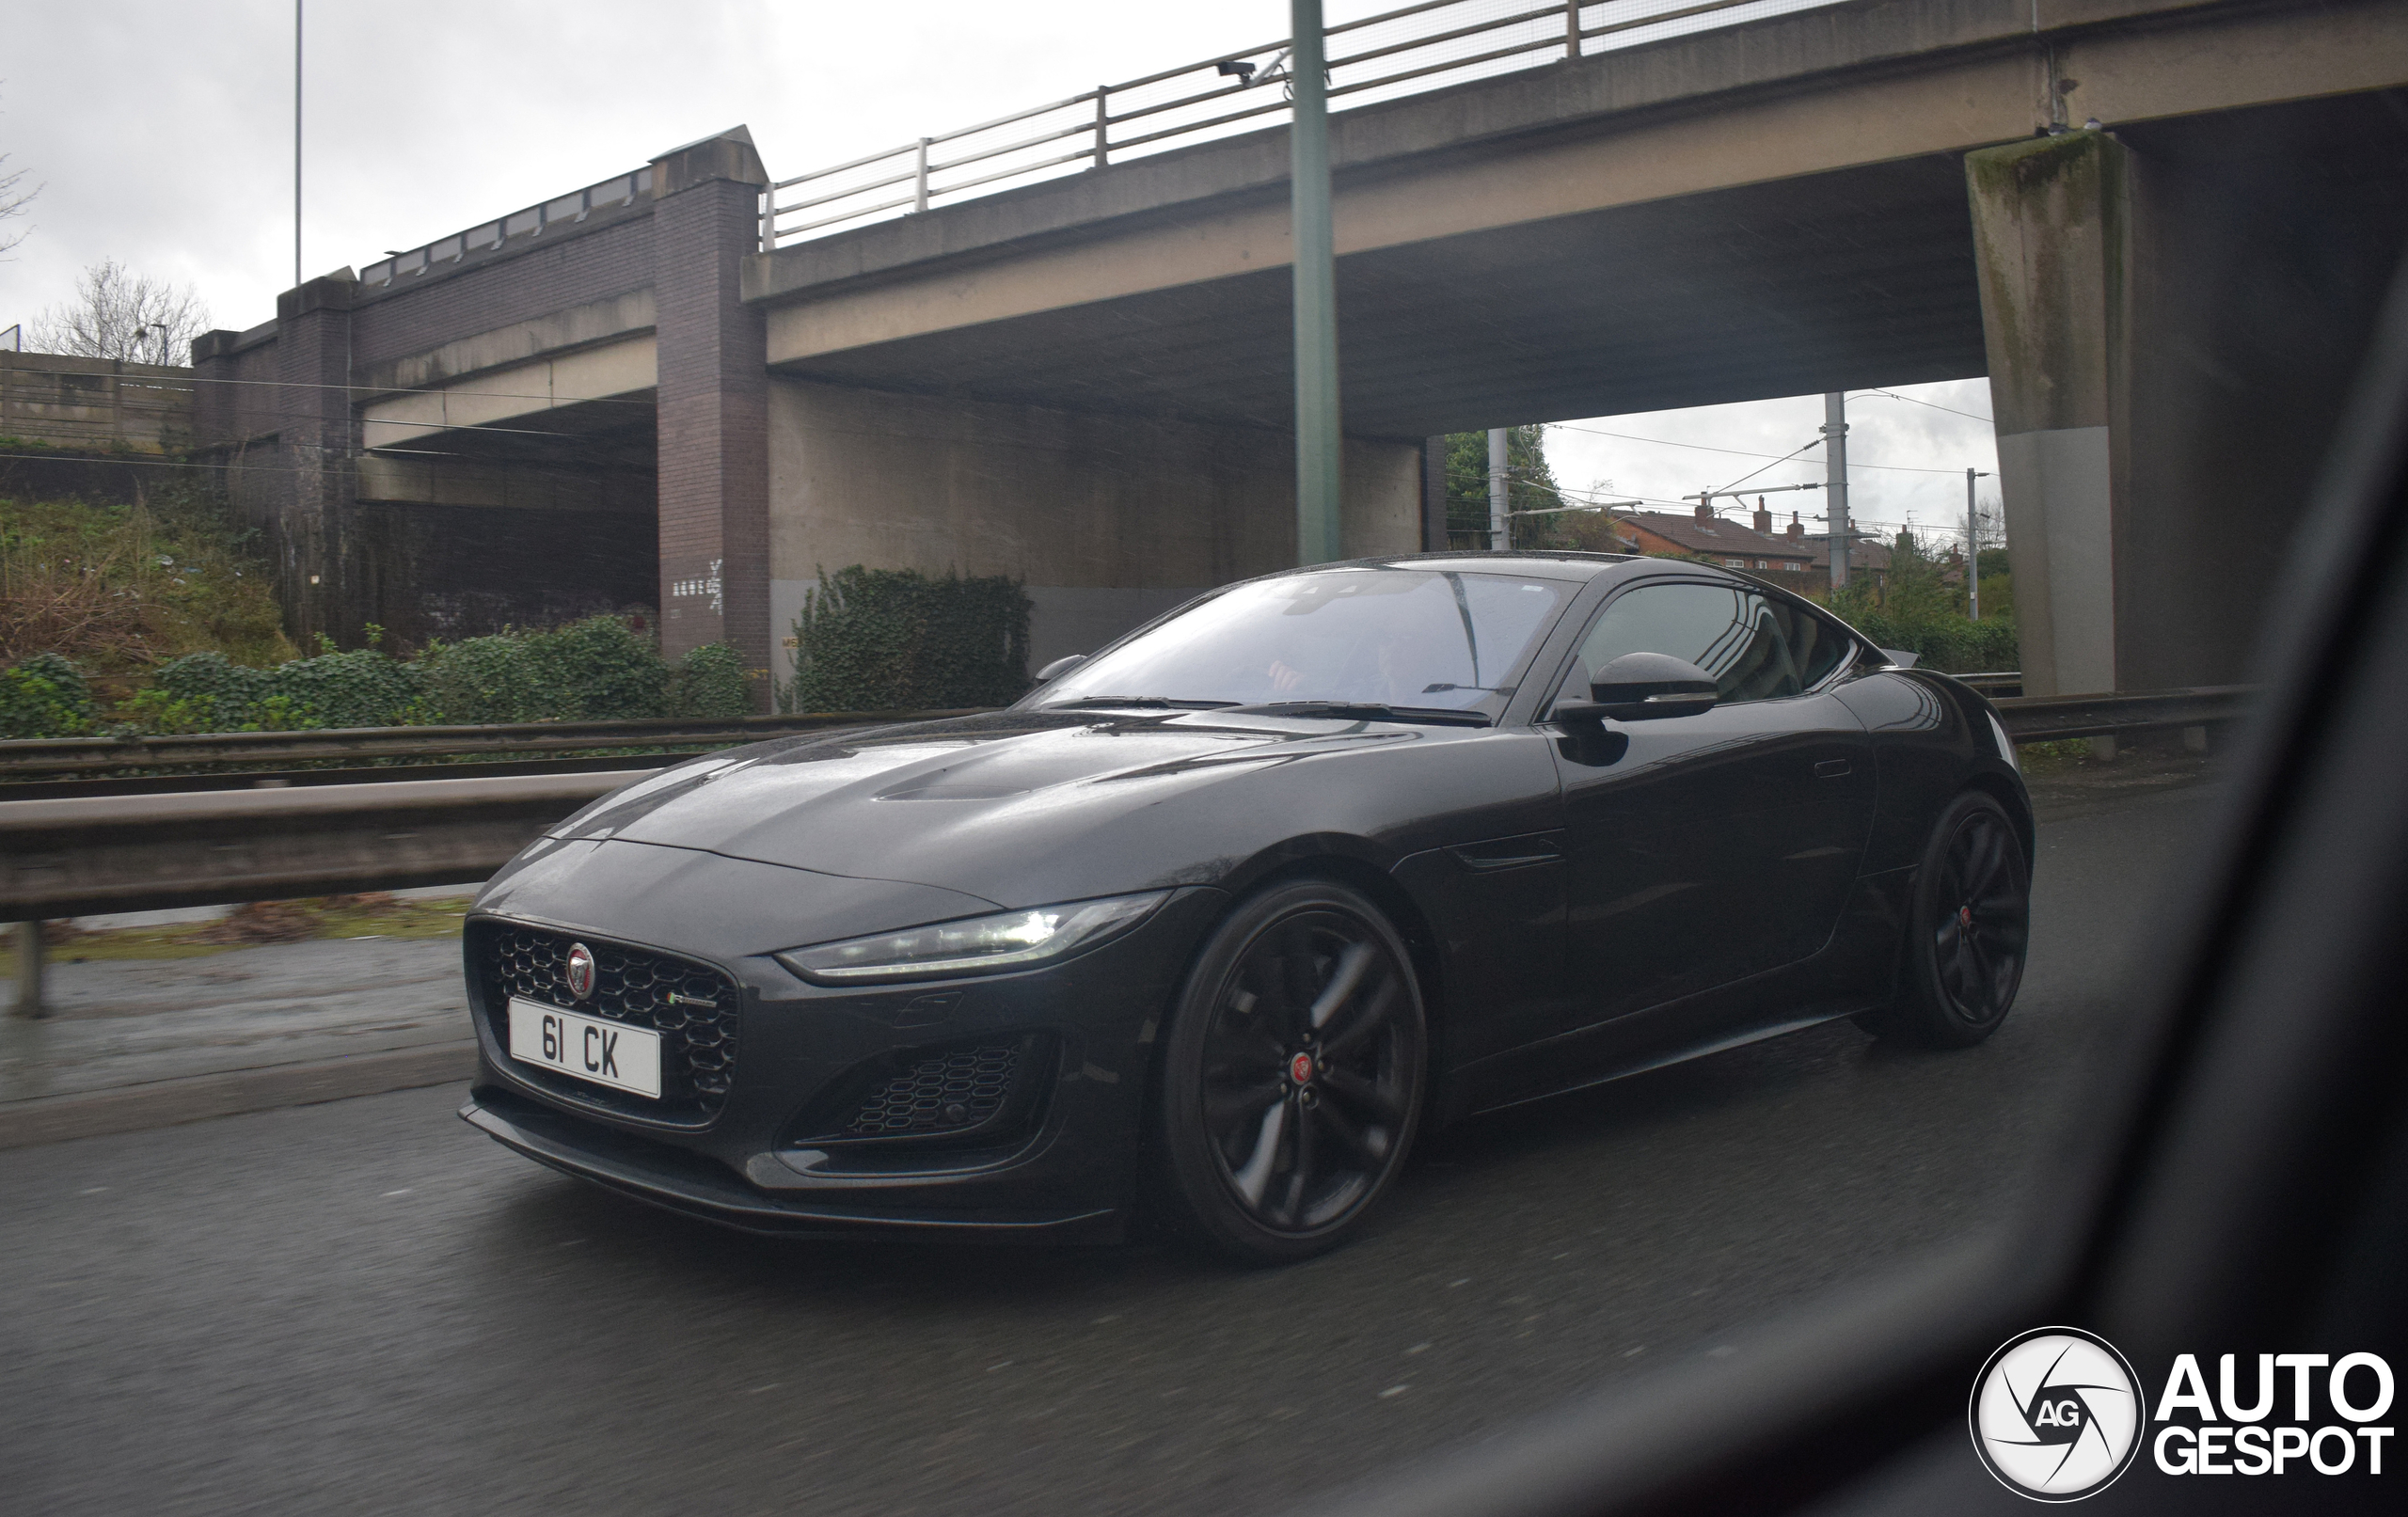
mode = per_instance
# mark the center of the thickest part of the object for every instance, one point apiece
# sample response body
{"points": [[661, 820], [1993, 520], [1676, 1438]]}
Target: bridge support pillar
{"points": [[2053, 244], [713, 402], [2169, 339]]}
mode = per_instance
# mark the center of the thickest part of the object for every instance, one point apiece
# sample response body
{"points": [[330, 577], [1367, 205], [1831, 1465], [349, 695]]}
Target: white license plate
{"points": [[585, 1048]]}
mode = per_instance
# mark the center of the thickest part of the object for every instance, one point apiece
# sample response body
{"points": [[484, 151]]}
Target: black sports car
{"points": [[1205, 926]]}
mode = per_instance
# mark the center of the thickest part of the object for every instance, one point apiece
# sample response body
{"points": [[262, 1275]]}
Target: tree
{"points": [[1530, 486], [120, 314], [13, 202]]}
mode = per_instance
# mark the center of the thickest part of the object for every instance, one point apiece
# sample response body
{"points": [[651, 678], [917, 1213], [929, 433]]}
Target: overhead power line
{"points": [[1743, 453], [1892, 395]]}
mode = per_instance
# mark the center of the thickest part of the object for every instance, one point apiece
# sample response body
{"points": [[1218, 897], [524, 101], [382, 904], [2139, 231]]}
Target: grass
{"points": [[333, 917]]}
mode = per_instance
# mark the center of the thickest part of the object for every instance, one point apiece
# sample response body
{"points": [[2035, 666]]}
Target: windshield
{"points": [[1401, 638]]}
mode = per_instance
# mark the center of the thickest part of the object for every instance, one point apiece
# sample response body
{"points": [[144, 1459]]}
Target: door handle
{"points": [[1832, 768]]}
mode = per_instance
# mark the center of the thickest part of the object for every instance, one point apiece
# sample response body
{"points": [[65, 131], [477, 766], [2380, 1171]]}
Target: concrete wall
{"points": [[1106, 519], [98, 403]]}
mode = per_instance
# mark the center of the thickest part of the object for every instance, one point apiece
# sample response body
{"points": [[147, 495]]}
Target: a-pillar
{"points": [[713, 402]]}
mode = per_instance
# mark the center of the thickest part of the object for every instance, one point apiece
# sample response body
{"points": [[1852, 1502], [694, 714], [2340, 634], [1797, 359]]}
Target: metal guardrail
{"points": [[86, 855], [2057, 718], [82, 855], [78, 855], [1998, 684], [1406, 51], [56, 758]]}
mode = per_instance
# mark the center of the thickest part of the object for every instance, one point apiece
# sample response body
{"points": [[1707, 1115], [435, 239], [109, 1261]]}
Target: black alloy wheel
{"points": [[1966, 932], [1292, 1077]]}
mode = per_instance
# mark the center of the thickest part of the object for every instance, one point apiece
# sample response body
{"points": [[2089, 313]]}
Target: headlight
{"points": [[974, 945]]}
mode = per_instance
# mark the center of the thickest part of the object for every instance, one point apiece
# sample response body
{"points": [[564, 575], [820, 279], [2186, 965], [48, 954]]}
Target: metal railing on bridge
{"points": [[1406, 51]]}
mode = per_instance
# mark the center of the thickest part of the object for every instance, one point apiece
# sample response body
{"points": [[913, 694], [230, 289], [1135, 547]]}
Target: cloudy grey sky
{"points": [[161, 132]]}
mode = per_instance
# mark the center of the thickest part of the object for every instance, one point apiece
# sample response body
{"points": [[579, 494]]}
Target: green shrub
{"points": [[199, 692], [710, 682], [209, 693], [598, 669], [1917, 612], [482, 681], [896, 639], [1948, 643], [363, 687], [45, 696]]}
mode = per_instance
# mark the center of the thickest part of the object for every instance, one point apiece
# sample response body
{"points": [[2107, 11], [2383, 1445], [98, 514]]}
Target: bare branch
{"points": [[120, 314], [13, 202]]}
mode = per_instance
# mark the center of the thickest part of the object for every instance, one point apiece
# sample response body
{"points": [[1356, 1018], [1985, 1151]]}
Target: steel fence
{"points": [[1411, 49]]}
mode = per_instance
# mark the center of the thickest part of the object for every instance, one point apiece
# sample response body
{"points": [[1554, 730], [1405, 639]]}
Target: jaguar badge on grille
{"points": [[580, 971]]}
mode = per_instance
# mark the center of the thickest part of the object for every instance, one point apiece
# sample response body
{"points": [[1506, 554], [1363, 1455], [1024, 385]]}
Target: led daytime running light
{"points": [[974, 945]]}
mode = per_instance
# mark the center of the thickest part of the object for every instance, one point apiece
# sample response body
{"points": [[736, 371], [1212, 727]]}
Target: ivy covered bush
{"points": [[209, 693], [896, 640], [45, 696], [596, 669], [710, 684]]}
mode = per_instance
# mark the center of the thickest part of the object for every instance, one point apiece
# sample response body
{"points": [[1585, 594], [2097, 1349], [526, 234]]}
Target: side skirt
{"points": [[1856, 972]]}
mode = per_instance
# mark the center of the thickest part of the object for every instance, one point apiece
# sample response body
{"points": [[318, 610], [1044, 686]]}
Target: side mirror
{"points": [[1642, 686], [1060, 667]]}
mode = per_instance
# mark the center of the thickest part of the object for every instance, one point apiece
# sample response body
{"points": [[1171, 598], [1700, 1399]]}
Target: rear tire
{"points": [[1968, 926], [1292, 1075]]}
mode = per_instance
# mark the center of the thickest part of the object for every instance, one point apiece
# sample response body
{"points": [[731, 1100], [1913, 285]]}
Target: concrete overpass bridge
{"points": [[653, 391]]}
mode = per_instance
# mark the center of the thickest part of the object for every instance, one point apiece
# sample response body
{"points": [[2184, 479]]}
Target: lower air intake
{"points": [[939, 1092]]}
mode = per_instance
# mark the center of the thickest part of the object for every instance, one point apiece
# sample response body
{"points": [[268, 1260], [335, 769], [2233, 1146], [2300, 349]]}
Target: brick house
{"points": [[1867, 557], [1724, 542]]}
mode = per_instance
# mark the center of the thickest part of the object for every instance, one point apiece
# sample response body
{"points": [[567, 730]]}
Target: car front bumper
{"points": [[1058, 1162]]}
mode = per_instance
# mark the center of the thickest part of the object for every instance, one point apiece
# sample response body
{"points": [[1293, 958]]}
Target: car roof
{"points": [[1569, 566]]}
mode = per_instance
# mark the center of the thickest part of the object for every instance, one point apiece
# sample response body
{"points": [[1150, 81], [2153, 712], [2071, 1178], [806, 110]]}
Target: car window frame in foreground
{"points": [[2235, 1169]]}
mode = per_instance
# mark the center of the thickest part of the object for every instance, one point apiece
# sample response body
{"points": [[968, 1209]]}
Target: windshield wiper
{"points": [[1153, 703], [1368, 711]]}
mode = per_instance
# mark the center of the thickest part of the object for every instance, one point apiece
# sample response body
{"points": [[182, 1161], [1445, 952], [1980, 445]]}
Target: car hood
{"points": [[994, 805]]}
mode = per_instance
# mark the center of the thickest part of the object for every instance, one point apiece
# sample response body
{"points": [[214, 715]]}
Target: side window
{"points": [[1730, 633], [1817, 646]]}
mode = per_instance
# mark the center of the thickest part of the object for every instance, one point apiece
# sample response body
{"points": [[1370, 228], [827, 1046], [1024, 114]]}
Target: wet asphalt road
{"points": [[364, 1307]]}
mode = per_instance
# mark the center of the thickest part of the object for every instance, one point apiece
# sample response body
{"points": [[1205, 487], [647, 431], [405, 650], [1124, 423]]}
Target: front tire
{"points": [[1967, 929], [1292, 1076]]}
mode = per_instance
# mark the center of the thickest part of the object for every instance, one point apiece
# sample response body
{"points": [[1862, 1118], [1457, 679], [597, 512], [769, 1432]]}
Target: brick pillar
{"points": [[713, 401], [319, 578], [214, 412]]}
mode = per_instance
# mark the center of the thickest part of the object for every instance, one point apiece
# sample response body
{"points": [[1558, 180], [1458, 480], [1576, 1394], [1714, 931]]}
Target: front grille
{"points": [[693, 1006], [941, 1093]]}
